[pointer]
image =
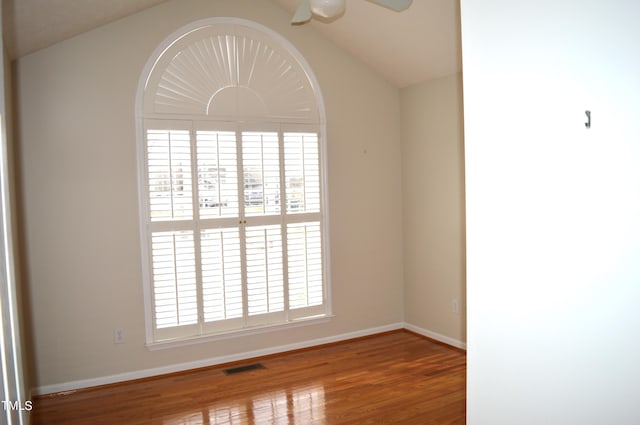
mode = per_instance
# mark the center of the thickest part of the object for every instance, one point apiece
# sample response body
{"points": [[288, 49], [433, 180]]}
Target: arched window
{"points": [[232, 192]]}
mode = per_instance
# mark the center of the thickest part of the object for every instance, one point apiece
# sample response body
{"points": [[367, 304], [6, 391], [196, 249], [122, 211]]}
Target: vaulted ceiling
{"points": [[418, 44]]}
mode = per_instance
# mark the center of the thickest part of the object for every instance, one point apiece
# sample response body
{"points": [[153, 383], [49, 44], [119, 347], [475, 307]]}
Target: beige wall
{"points": [[78, 182], [433, 192]]}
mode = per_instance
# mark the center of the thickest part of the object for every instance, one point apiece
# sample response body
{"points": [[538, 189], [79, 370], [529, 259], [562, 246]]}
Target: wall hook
{"points": [[588, 123]]}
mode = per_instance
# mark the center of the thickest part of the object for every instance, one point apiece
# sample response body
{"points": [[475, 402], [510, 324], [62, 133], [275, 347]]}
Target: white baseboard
{"points": [[146, 373], [434, 335]]}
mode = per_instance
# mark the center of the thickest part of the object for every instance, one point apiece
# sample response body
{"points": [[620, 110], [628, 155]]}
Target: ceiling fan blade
{"points": [[396, 5], [303, 14]]}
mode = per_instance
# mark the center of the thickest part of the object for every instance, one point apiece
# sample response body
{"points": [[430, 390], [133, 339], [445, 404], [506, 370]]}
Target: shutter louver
{"points": [[169, 175], [261, 163], [302, 172], [174, 277], [217, 173], [221, 274], [265, 277], [305, 265]]}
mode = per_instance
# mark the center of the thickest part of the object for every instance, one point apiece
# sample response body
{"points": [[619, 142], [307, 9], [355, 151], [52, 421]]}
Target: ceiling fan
{"points": [[329, 9]]}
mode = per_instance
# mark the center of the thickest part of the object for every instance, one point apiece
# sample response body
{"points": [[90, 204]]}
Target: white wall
{"points": [[14, 352], [433, 201], [78, 170], [553, 235]]}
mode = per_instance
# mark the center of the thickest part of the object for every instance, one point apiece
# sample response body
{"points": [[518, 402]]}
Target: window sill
{"points": [[201, 339]]}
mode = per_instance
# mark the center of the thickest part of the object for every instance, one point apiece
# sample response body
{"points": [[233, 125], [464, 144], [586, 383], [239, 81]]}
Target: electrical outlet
{"points": [[455, 306], [118, 336]]}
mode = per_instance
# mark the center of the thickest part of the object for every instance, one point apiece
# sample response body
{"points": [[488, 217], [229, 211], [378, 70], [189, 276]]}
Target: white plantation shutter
{"points": [[217, 173], [231, 183], [261, 163], [174, 277], [242, 260], [302, 172], [265, 284], [169, 171], [221, 274], [304, 241]]}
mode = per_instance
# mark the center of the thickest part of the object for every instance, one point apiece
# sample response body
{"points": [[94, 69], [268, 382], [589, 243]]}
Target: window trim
{"points": [[183, 342], [143, 202]]}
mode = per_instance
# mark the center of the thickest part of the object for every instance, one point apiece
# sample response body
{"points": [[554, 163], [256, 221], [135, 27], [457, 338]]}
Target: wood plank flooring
{"points": [[392, 378]]}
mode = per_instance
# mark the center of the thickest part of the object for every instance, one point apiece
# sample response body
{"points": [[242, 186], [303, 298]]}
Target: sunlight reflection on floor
{"points": [[296, 407]]}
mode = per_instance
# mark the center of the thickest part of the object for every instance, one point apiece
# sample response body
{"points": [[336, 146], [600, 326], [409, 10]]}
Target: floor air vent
{"points": [[245, 368]]}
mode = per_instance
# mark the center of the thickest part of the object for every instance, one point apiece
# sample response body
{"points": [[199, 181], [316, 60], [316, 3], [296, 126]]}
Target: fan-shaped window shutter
{"points": [[231, 159], [231, 71]]}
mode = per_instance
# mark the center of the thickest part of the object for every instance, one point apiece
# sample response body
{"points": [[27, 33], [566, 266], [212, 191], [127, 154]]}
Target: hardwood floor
{"points": [[392, 378]]}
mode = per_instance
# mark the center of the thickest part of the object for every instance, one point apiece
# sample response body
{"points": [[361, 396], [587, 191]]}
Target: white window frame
{"points": [[175, 121]]}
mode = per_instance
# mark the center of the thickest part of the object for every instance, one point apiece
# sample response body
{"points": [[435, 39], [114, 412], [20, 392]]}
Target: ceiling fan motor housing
{"points": [[327, 8]]}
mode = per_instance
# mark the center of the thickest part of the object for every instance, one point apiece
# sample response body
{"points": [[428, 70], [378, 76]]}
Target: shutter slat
{"points": [[174, 277], [302, 172], [261, 171], [305, 265], [222, 281], [169, 175], [265, 277], [217, 173]]}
